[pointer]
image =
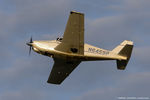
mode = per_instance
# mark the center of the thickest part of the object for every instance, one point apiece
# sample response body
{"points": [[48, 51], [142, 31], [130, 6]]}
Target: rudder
{"points": [[124, 49]]}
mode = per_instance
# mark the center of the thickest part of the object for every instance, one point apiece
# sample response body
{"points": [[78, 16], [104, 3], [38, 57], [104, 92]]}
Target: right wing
{"points": [[73, 38], [61, 69]]}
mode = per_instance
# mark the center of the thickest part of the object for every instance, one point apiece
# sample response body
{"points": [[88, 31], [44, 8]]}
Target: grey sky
{"points": [[107, 23]]}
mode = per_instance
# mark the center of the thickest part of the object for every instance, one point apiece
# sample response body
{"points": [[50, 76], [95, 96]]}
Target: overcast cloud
{"points": [[107, 23]]}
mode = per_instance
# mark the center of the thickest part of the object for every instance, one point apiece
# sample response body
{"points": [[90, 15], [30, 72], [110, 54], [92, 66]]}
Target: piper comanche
{"points": [[68, 52]]}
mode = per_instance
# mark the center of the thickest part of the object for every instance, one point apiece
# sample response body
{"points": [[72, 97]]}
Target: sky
{"points": [[107, 24]]}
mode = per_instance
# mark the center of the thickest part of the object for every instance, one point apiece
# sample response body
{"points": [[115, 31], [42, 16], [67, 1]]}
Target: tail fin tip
{"points": [[124, 49]]}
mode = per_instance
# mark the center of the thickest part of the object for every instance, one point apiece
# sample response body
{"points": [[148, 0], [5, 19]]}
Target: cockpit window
{"points": [[59, 39]]}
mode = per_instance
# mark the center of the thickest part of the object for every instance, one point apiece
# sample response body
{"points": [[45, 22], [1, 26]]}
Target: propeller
{"points": [[30, 44]]}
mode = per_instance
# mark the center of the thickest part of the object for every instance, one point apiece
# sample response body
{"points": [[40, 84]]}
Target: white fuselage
{"points": [[91, 53]]}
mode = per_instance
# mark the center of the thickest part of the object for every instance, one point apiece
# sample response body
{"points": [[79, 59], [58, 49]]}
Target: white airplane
{"points": [[68, 52]]}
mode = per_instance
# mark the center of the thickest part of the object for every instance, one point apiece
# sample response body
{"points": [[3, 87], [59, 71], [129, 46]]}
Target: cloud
{"points": [[114, 29], [131, 85], [22, 95], [35, 16], [141, 56]]}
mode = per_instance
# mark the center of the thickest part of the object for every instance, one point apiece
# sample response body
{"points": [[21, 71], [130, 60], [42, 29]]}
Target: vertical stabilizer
{"points": [[124, 49]]}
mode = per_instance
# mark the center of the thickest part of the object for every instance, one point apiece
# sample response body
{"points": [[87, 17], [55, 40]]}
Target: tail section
{"points": [[124, 49]]}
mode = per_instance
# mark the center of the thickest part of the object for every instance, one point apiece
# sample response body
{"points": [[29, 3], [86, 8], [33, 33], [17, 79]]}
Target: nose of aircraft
{"points": [[29, 44]]}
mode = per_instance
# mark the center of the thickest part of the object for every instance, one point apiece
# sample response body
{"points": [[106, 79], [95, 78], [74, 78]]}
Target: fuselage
{"points": [[91, 53]]}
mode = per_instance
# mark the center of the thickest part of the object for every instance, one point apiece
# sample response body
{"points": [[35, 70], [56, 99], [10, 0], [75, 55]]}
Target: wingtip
{"points": [[53, 83], [127, 42], [71, 12]]}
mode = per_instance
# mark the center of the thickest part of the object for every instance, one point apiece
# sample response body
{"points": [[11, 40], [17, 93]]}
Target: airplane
{"points": [[70, 50]]}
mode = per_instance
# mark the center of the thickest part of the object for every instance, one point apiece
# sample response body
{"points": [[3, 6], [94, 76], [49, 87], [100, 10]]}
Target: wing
{"points": [[73, 38], [61, 70]]}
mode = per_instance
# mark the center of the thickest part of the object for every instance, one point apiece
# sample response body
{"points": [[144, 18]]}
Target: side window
{"points": [[59, 39]]}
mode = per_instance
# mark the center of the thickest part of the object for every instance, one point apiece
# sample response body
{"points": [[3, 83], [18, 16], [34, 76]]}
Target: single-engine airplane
{"points": [[68, 52]]}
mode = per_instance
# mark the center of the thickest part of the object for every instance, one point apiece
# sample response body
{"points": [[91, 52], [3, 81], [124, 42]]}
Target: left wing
{"points": [[61, 69], [73, 38]]}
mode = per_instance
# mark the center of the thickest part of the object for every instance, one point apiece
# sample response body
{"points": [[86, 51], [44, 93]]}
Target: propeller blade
{"points": [[30, 50], [30, 44], [31, 40]]}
